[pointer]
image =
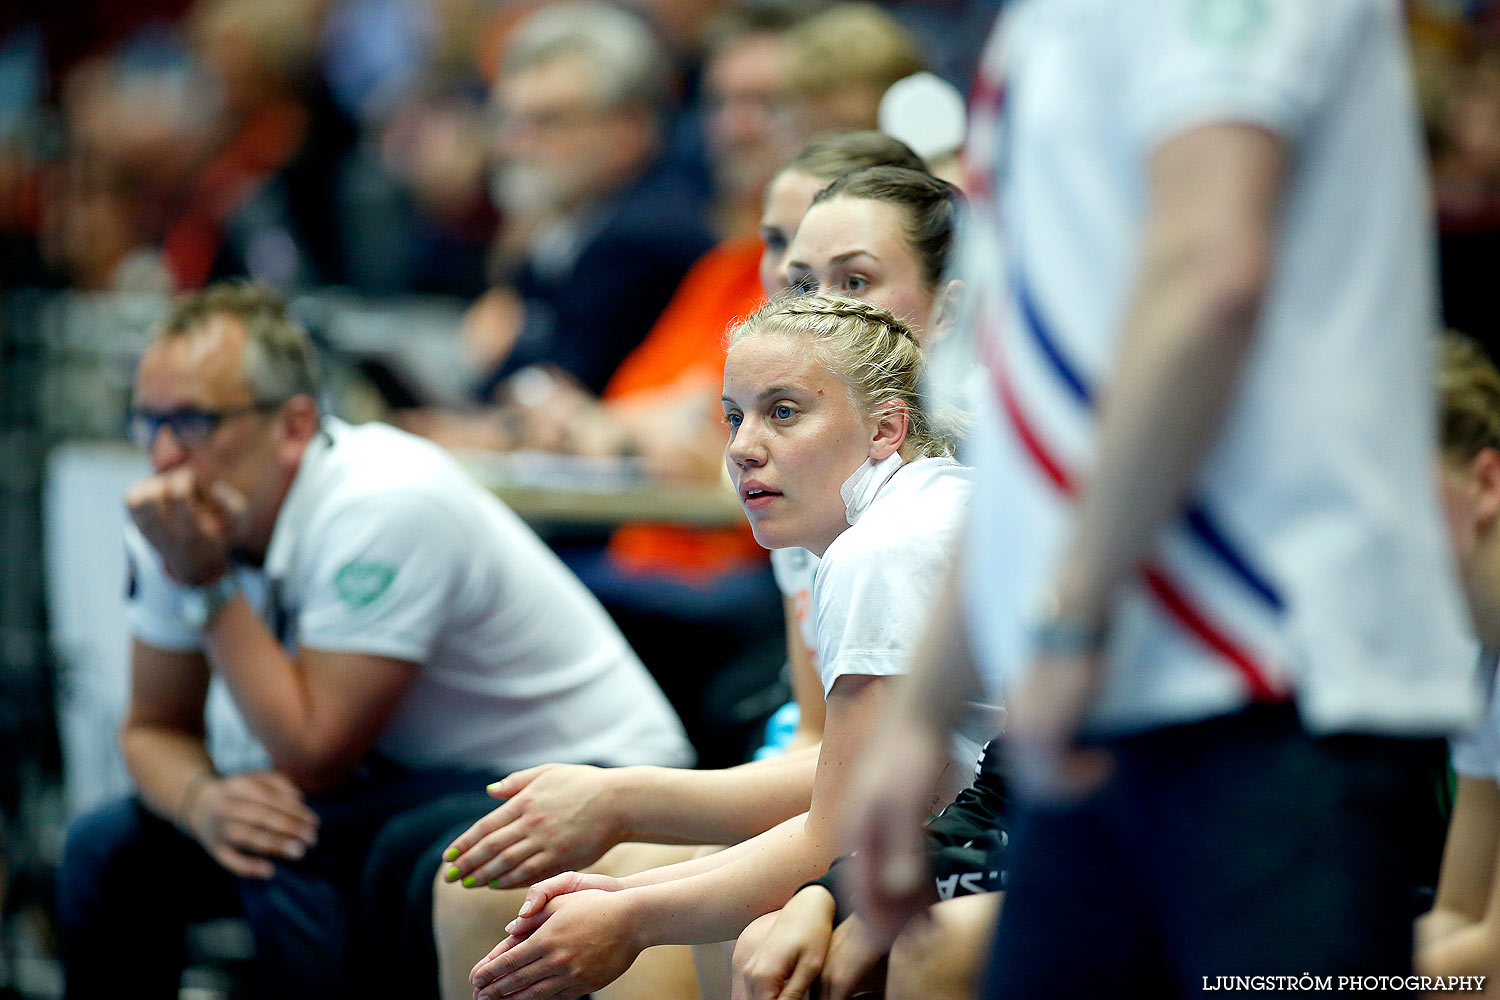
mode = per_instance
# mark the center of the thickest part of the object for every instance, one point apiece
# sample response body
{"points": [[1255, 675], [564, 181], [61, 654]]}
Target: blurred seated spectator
{"points": [[843, 61], [415, 212], [594, 237], [265, 204], [139, 123], [1456, 56], [657, 403], [744, 98]]}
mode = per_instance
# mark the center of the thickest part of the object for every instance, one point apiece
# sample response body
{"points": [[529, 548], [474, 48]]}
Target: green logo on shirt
{"points": [[1227, 22], [361, 583]]}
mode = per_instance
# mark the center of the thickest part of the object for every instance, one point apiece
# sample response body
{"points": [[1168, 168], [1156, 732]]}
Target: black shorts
{"points": [[968, 842], [1237, 846]]}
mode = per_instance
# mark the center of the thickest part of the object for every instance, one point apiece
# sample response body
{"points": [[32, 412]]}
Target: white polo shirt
{"points": [[384, 546], [1309, 561], [1476, 753], [878, 581]]}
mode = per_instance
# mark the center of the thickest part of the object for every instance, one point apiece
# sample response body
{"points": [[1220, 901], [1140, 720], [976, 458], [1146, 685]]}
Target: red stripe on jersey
{"points": [[1172, 597]]}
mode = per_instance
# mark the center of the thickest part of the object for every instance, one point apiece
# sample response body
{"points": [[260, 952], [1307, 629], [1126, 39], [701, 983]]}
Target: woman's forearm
{"points": [[1472, 950], [708, 862], [716, 904], [681, 806]]}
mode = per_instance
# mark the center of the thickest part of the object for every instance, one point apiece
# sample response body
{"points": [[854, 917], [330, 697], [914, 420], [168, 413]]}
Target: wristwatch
{"points": [[1053, 633], [199, 606]]}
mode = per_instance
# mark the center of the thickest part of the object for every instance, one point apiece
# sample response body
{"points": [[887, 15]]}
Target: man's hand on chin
{"points": [[188, 522]]}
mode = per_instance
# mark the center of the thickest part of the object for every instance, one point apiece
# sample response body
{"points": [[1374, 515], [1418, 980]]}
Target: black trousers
{"points": [[1237, 846], [131, 882]]}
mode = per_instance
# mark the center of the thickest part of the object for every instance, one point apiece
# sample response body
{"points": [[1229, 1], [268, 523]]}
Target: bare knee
{"points": [[453, 906], [466, 924]]}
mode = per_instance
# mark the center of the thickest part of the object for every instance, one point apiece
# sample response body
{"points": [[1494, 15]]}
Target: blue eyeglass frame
{"points": [[190, 425]]}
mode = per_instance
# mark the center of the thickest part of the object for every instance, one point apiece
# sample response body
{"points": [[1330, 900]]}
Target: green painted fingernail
{"points": [[451, 854], [470, 881], [493, 786], [452, 875], [495, 884]]}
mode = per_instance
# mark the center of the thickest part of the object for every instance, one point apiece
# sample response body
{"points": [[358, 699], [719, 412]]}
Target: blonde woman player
{"points": [[831, 449]]}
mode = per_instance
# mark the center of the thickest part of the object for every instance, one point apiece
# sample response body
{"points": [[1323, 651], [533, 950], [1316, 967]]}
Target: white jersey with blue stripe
{"points": [[1309, 561]]}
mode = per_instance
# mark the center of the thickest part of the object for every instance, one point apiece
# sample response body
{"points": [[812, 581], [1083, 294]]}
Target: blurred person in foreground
{"points": [[595, 233], [390, 634], [1205, 561], [1460, 936]]}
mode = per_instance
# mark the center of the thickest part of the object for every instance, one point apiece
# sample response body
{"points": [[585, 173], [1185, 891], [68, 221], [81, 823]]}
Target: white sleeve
{"points": [[152, 601], [382, 576], [1476, 753], [1261, 62], [871, 605]]}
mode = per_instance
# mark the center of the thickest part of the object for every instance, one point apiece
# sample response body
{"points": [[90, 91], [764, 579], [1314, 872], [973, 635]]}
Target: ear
{"points": [[296, 426], [1484, 472], [892, 421], [944, 312]]}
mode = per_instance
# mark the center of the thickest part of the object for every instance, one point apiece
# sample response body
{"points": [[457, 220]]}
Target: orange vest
{"points": [[687, 341]]}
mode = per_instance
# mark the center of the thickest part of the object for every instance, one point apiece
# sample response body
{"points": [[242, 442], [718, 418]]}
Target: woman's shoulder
{"points": [[923, 497], [932, 474], [916, 514]]}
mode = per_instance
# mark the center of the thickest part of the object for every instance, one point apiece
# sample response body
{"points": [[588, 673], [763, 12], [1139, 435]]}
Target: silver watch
{"points": [[199, 606]]}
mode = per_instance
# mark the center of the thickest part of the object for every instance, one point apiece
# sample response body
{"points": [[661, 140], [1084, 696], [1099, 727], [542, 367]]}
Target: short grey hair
{"points": [[279, 362], [628, 65]]}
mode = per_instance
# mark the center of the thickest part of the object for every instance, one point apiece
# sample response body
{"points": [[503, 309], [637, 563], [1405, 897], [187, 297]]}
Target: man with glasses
{"points": [[390, 635]]}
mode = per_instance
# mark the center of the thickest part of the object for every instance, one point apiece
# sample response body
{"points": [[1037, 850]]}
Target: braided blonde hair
{"points": [[871, 351]]}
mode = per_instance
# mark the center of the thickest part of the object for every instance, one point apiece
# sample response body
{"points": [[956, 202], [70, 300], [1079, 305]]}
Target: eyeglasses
{"points": [[191, 426]]}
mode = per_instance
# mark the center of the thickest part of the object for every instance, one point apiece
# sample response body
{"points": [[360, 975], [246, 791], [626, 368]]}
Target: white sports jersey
{"points": [[384, 546], [878, 580], [1309, 560], [1476, 753]]}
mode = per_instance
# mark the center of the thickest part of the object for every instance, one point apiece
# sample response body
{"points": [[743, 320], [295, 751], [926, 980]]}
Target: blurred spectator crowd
{"points": [[587, 179], [384, 145], [1456, 56]]}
